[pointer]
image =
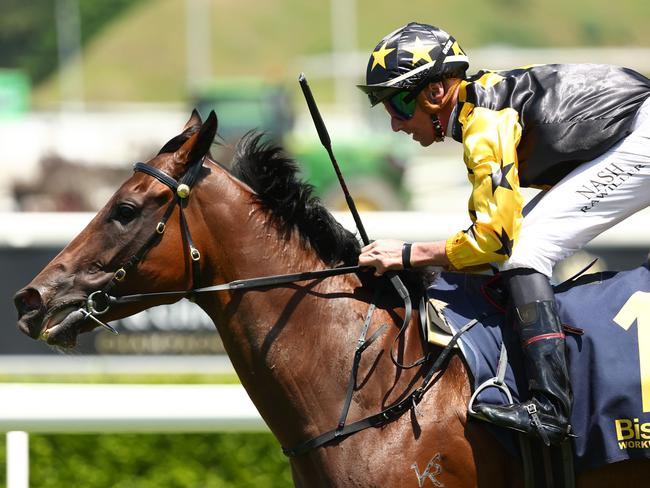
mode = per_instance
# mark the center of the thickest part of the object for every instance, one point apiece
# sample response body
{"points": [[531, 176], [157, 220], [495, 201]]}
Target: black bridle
{"points": [[99, 302]]}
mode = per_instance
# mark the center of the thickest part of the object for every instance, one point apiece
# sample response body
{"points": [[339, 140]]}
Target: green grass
{"points": [[142, 55], [233, 460], [154, 379], [155, 461]]}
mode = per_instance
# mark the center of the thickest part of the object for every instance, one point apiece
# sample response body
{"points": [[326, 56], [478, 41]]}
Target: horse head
{"points": [[109, 250]]}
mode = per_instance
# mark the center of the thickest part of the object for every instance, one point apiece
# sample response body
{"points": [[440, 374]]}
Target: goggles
{"points": [[402, 104]]}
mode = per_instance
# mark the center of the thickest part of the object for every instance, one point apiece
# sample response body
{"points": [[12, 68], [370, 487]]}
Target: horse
{"points": [[293, 344]]}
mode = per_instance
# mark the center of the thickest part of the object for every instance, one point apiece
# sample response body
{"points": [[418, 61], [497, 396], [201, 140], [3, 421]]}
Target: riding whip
{"points": [[327, 143]]}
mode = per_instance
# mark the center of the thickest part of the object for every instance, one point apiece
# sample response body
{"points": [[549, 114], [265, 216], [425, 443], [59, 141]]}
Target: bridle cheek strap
{"points": [[181, 192]]}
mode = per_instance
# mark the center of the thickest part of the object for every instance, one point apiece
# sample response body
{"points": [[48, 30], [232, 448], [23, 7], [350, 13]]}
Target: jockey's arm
{"points": [[386, 254], [490, 140], [495, 206]]}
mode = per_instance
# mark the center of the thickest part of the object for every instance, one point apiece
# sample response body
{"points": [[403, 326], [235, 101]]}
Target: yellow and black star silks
{"points": [[530, 127], [490, 139]]}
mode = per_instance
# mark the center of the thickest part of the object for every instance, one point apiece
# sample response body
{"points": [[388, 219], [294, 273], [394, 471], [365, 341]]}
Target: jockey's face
{"points": [[419, 126]]}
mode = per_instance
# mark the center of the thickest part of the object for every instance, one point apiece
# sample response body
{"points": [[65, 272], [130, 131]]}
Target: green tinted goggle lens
{"points": [[404, 109]]}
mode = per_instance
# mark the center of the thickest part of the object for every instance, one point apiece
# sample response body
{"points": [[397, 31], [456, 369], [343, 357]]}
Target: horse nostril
{"points": [[27, 300]]}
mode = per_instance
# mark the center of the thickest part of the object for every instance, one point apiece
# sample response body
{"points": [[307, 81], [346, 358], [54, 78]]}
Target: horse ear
{"points": [[199, 144], [195, 119]]}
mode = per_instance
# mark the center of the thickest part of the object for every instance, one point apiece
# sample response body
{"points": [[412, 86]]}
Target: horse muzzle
{"points": [[31, 311], [57, 323]]}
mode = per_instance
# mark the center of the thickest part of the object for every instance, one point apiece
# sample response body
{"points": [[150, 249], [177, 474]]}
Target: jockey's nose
{"points": [[30, 309], [395, 124]]}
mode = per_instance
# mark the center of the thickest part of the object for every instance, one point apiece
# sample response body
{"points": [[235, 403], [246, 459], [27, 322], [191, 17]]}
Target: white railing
{"points": [[74, 408], [58, 228]]}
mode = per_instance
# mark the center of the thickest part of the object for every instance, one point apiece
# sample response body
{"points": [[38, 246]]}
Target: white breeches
{"points": [[589, 200]]}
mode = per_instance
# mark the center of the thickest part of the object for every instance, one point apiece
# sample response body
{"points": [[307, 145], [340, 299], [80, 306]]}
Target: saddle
{"points": [[611, 407], [433, 322]]}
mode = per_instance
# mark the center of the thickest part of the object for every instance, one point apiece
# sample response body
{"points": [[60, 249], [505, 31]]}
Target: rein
{"points": [[251, 283], [99, 302]]}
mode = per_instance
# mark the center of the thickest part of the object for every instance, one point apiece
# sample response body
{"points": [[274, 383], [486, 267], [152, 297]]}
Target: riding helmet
{"points": [[410, 57]]}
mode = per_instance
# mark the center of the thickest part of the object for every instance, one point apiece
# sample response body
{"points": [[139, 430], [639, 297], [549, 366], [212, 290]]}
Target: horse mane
{"points": [[291, 202]]}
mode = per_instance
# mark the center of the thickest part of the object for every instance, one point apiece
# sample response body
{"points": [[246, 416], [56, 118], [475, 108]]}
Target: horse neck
{"points": [[242, 238], [280, 340], [293, 346]]}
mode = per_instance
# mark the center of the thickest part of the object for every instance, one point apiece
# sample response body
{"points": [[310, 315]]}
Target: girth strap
{"points": [[394, 411]]}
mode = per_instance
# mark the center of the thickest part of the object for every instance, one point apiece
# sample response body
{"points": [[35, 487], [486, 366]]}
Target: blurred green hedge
{"points": [[155, 461]]}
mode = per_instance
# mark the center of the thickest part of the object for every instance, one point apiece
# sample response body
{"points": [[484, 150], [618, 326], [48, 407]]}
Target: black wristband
{"points": [[406, 255]]}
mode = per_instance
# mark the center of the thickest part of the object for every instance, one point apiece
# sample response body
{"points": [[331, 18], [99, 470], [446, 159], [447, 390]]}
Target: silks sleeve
{"points": [[490, 140]]}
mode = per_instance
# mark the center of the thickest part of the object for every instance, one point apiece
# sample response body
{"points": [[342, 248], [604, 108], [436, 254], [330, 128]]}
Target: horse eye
{"points": [[124, 213]]}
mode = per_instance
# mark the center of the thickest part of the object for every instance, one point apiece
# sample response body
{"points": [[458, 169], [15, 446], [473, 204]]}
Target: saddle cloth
{"points": [[609, 364]]}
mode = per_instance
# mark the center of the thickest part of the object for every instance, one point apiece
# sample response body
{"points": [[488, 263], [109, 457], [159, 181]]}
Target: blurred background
{"points": [[87, 88]]}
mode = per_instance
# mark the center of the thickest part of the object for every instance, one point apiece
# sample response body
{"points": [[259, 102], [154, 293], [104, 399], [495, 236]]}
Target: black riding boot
{"points": [[547, 413]]}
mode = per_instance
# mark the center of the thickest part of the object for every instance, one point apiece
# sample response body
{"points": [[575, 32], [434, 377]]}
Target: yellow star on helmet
{"points": [[456, 49], [420, 50], [379, 56]]}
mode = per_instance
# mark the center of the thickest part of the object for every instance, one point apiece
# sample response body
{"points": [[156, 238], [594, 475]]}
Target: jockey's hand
{"points": [[383, 255]]}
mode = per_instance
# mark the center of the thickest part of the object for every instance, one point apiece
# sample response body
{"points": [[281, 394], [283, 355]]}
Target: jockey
{"points": [[581, 133]]}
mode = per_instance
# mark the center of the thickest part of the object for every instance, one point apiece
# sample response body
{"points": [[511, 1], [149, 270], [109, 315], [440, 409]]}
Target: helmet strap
{"points": [[437, 127]]}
